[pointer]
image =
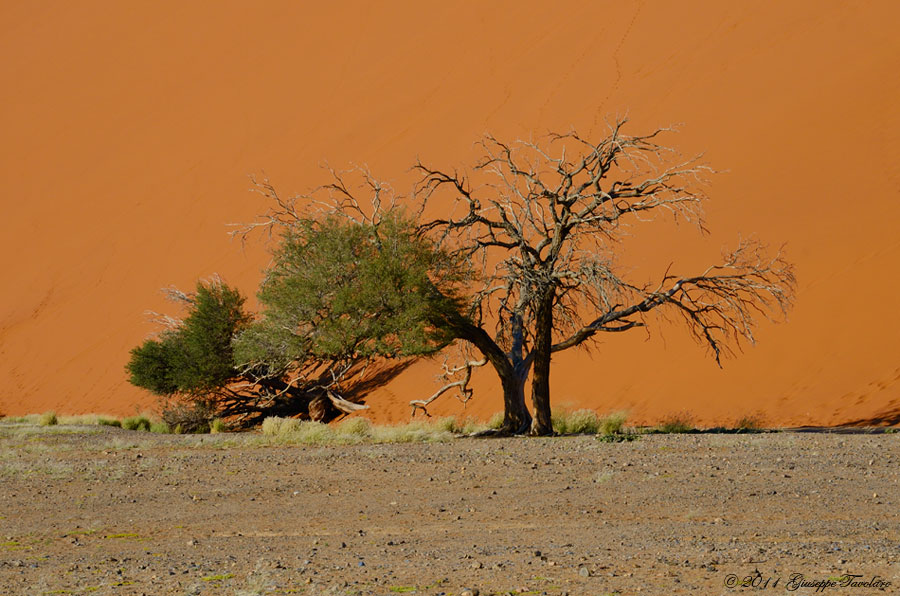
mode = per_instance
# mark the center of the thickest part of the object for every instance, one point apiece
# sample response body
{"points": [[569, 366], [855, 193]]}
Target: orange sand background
{"points": [[129, 129]]}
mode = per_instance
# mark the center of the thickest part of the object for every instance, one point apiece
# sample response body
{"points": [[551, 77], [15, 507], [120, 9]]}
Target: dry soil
{"points": [[108, 511]]}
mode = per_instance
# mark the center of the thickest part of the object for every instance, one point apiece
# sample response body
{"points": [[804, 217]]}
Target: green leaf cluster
{"points": [[197, 357], [340, 289]]}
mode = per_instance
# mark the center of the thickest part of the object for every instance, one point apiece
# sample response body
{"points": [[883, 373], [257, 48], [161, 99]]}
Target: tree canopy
{"points": [[193, 358], [342, 291], [338, 295]]}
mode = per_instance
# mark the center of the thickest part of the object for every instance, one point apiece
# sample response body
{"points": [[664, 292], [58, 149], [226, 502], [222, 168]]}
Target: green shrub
{"points": [[613, 424], [160, 427], [109, 422], [48, 419], [136, 423], [195, 358], [217, 425]]}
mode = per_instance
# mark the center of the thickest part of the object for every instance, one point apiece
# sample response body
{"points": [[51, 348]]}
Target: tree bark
{"points": [[540, 384], [516, 419]]}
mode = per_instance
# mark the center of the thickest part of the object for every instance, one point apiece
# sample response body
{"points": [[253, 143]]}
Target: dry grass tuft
{"points": [[496, 421], [613, 424], [566, 422], [359, 430], [679, 422], [581, 422], [755, 421]]}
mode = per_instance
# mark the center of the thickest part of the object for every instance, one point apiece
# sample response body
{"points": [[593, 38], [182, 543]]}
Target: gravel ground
{"points": [[97, 510]]}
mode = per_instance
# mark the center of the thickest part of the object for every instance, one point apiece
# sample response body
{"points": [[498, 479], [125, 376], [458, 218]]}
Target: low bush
{"points": [[217, 425], [49, 419], [160, 427], [613, 424], [136, 423], [188, 416]]}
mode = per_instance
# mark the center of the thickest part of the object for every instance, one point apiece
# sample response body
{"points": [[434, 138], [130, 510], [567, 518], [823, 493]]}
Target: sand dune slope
{"points": [[129, 130]]}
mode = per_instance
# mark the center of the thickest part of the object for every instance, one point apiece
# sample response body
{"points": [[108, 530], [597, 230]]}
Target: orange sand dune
{"points": [[128, 130]]}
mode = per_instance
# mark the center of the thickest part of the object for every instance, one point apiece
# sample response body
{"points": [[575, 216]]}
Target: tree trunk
{"points": [[540, 383], [516, 419]]}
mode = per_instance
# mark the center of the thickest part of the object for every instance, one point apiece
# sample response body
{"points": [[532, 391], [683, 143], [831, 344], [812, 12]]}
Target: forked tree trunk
{"points": [[540, 384], [516, 419]]}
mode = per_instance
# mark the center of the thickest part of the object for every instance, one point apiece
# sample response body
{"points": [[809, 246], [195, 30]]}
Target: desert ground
{"points": [[129, 131], [102, 510]]}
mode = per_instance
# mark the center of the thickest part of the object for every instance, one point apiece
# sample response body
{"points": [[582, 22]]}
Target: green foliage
{"points": [[151, 365], [217, 425], [136, 423], [204, 360], [343, 290], [160, 427], [49, 419], [613, 424], [109, 422], [588, 422], [195, 358], [218, 578]]}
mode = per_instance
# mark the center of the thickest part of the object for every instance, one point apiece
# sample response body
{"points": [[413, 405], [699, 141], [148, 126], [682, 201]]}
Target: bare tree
{"points": [[541, 221]]}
